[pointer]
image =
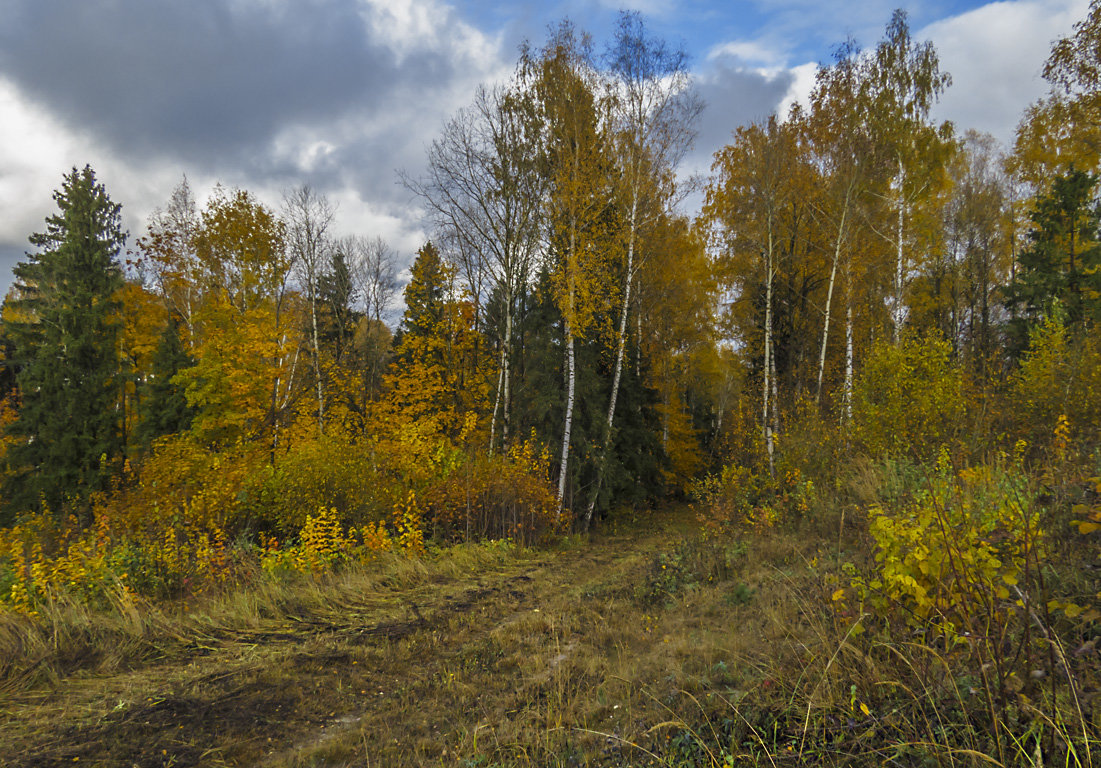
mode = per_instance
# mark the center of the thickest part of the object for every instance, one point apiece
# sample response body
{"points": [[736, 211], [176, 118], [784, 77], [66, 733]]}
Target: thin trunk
{"points": [[768, 355], [898, 260], [829, 298], [317, 362], [507, 402], [497, 400], [847, 392], [775, 395], [621, 345], [501, 401], [570, 379], [571, 255]]}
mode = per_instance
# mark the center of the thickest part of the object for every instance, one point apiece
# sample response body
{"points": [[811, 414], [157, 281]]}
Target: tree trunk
{"points": [[621, 344], [497, 400], [570, 379], [768, 356], [317, 362], [501, 401], [847, 392], [829, 298], [898, 320]]}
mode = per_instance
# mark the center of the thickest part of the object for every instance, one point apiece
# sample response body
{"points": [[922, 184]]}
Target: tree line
{"points": [[565, 304]]}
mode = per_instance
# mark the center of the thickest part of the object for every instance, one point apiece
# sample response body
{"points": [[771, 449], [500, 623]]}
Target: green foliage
{"points": [[740, 496], [163, 402], [1059, 376], [690, 565], [952, 553], [909, 398], [332, 472], [1063, 261], [62, 325]]}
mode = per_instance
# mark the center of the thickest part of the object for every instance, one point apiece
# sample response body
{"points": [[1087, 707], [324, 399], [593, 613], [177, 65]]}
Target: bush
{"points": [[908, 399], [952, 553], [740, 496], [1059, 377], [496, 497]]}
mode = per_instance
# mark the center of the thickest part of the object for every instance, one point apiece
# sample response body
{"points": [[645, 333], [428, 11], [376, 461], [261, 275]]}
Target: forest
{"points": [[878, 336]]}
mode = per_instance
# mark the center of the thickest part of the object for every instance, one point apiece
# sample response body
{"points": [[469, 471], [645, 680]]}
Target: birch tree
{"points": [[837, 128], [579, 211], [654, 125], [372, 267], [905, 82], [484, 191], [753, 183], [308, 217], [168, 258]]}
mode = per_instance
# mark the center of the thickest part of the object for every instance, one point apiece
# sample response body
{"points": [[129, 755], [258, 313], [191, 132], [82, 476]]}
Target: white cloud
{"points": [[801, 87], [34, 151], [749, 52], [347, 143], [995, 54]]}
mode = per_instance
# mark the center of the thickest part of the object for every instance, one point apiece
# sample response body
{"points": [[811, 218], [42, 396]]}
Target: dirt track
{"points": [[403, 676]]}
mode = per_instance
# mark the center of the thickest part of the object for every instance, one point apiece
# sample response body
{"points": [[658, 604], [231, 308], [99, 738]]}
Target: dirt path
{"points": [[495, 662]]}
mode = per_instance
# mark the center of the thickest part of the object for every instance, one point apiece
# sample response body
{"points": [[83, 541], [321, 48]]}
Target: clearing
{"points": [[598, 651]]}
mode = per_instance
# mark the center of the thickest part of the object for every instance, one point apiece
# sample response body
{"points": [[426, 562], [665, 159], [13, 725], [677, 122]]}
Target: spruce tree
{"points": [[1063, 260], [63, 328], [164, 409]]}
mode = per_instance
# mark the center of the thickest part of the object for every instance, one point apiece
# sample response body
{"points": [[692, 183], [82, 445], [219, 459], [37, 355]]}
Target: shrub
{"points": [[1060, 376], [908, 398], [740, 496], [953, 552], [496, 497]]}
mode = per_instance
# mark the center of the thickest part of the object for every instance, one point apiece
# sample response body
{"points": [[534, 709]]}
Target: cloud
{"points": [[262, 94], [748, 52], [214, 83], [734, 96], [995, 54]]}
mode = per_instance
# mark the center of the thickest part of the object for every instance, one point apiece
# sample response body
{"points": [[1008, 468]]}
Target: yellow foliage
{"points": [[909, 398], [739, 496], [953, 554], [1056, 392], [324, 544]]}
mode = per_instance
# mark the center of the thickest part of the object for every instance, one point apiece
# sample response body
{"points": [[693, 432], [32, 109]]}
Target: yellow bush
{"points": [[1059, 378], [739, 496], [495, 497], [908, 399], [324, 544], [953, 554]]}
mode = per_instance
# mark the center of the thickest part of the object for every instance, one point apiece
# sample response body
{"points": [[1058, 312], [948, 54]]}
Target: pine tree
{"points": [[68, 431], [1063, 260], [164, 408]]}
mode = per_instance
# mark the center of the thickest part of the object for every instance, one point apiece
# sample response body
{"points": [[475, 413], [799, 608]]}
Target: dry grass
{"points": [[642, 646], [488, 654]]}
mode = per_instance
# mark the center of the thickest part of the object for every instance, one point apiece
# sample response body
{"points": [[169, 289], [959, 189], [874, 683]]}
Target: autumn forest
{"points": [[877, 340]]}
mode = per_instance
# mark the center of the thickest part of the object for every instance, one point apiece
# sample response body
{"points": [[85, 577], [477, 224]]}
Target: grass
{"points": [[642, 645]]}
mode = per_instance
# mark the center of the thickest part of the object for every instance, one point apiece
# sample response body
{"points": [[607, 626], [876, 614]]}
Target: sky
{"points": [[346, 95]]}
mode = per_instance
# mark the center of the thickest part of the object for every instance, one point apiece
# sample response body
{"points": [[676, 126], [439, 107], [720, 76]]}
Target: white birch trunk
{"points": [[501, 401], [765, 426], [569, 417], [898, 313], [317, 363], [497, 400], [829, 299], [847, 392], [775, 397], [621, 345]]}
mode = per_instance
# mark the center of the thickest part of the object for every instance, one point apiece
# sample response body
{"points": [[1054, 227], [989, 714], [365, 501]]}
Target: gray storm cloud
{"points": [[211, 83], [734, 96]]}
